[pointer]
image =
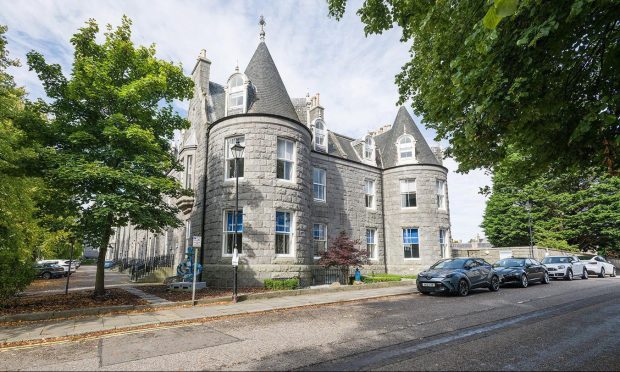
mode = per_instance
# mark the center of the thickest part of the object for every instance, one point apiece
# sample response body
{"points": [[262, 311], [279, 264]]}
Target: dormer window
{"points": [[406, 148], [320, 135], [369, 148], [236, 93]]}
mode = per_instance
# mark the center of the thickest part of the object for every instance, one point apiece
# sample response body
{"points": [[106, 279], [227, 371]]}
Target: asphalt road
{"points": [[82, 278], [560, 326]]}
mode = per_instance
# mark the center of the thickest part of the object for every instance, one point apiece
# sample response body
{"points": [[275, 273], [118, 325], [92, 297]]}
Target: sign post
{"points": [[235, 263], [196, 240]]}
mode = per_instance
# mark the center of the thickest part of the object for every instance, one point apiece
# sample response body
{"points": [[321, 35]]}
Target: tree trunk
{"points": [[103, 249]]}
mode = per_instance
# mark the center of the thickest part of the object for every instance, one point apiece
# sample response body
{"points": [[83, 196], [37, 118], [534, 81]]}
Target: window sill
{"points": [[230, 255], [319, 201], [233, 179], [409, 208], [413, 259], [280, 255], [285, 180]]}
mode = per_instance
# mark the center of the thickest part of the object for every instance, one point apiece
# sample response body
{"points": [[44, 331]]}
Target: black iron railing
{"points": [[331, 275], [139, 268]]}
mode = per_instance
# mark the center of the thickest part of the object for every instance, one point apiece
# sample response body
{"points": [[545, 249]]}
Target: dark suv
{"points": [[48, 270]]}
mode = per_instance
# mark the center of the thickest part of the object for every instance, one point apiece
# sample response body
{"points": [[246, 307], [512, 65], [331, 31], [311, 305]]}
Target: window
{"points": [[369, 190], [320, 136], [283, 233], [371, 243], [406, 148], [408, 193], [189, 171], [319, 236], [229, 231], [441, 194], [230, 159], [235, 104], [285, 159], [411, 243], [369, 148], [318, 184], [442, 242]]}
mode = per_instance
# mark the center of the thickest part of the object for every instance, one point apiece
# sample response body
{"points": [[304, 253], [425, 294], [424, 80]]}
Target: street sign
{"points": [[235, 258], [196, 241]]}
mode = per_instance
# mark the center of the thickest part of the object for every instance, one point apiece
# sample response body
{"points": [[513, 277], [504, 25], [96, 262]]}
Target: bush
{"points": [[378, 278], [281, 284]]}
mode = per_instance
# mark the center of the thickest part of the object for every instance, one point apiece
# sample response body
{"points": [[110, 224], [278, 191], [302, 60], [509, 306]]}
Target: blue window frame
{"points": [[283, 233], [229, 231]]}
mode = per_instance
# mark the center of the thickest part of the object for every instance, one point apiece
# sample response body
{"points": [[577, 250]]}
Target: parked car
{"points": [[597, 265], [521, 271], [565, 267], [48, 270], [74, 264], [108, 264], [63, 263], [458, 276]]}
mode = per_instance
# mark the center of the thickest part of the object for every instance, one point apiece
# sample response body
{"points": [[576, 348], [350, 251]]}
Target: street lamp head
{"points": [[237, 150]]}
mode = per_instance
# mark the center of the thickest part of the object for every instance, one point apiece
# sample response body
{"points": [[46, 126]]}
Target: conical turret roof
{"points": [[270, 95], [404, 124]]}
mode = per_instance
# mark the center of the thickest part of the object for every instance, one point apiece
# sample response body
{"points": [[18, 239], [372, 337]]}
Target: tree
{"points": [[538, 77], [342, 253], [576, 211], [111, 125]]}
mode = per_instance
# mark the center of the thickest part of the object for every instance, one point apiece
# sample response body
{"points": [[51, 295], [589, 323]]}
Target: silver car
{"points": [[565, 267], [597, 265]]}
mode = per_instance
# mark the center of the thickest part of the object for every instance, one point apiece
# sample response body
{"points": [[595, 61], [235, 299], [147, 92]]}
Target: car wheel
{"points": [[426, 293], [569, 274], [494, 287], [602, 273], [524, 281], [46, 275], [613, 272], [545, 278], [585, 274], [463, 288]]}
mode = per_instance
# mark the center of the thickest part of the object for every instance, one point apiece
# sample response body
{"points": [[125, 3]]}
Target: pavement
{"points": [[560, 326], [72, 327]]}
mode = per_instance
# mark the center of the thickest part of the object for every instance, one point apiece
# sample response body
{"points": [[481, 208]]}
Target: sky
{"points": [[314, 53]]}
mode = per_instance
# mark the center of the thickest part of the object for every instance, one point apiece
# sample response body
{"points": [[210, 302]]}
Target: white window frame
{"points": [[320, 133], [405, 244], [291, 233], [368, 148], [322, 186], [372, 246], [441, 194], [229, 142], [315, 240], [189, 171], [290, 161], [443, 245], [372, 195], [237, 90], [406, 147], [407, 191], [226, 232]]}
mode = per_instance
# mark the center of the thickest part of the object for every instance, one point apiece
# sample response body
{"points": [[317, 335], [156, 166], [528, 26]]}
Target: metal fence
{"points": [[140, 268], [331, 275], [615, 262]]}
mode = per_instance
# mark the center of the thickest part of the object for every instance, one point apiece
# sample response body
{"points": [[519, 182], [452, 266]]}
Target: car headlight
{"points": [[561, 267]]}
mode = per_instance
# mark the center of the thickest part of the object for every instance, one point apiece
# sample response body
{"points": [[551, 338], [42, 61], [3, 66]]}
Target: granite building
{"points": [[300, 183]]}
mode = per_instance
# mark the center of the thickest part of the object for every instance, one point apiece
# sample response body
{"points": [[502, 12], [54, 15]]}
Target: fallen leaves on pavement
{"points": [[162, 291]]}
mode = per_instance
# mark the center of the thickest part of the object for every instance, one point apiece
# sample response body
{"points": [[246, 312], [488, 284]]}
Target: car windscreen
{"points": [[555, 260], [510, 262], [585, 258], [449, 264]]}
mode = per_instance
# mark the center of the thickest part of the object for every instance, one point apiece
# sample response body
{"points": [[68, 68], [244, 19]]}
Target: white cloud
{"points": [[353, 73]]}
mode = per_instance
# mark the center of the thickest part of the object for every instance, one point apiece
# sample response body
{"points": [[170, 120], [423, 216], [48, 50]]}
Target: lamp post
{"points": [[237, 152], [528, 207]]}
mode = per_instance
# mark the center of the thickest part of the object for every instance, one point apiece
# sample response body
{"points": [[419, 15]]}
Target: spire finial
{"points": [[262, 24]]}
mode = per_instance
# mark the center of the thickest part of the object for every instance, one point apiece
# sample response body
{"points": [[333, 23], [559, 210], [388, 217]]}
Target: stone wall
{"points": [[425, 216]]}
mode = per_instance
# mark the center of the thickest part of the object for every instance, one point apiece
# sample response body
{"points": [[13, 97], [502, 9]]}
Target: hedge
{"points": [[281, 284]]}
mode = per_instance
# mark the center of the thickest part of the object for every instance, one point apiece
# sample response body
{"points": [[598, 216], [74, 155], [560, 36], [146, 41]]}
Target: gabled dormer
{"points": [[320, 138], [237, 93]]}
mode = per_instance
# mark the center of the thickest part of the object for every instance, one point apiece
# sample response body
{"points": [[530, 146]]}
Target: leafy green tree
{"points": [[111, 125], [573, 212], [538, 77], [19, 230]]}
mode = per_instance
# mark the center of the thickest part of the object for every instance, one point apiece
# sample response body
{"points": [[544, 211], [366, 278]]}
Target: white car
{"points": [[597, 265], [565, 267]]}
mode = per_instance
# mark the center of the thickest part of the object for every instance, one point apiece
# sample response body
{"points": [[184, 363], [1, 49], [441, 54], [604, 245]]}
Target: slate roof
{"points": [[217, 105], [270, 95], [386, 141]]}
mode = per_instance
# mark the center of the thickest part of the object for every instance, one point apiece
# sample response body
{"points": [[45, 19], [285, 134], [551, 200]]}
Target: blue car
{"points": [[108, 264], [458, 276]]}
